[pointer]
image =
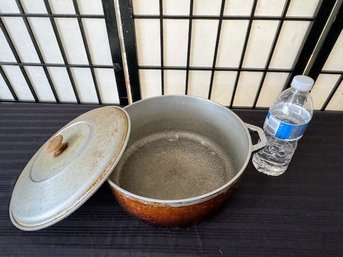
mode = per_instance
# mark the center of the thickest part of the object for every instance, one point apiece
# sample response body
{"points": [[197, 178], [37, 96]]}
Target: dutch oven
{"points": [[169, 160]]}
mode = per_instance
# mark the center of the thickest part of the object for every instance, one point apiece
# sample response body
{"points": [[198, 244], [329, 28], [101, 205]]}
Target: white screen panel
{"points": [[290, 40], [72, 40], [176, 7], [204, 35], [9, 7], [148, 41], [322, 89], [40, 83], [199, 83], [150, 81], [273, 84], [36, 6], [6, 54], [302, 8], [62, 84], [85, 86], [230, 47], [18, 83], [90, 7], [247, 89], [336, 103], [145, 7], [335, 59], [174, 82], [97, 39], [46, 40], [222, 88], [259, 43], [175, 35], [206, 7], [62, 6], [5, 93], [269, 7], [107, 85], [21, 39], [238, 7]]}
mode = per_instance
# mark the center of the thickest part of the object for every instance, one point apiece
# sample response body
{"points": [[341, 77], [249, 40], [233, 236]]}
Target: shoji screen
{"points": [[327, 92], [55, 51], [237, 52]]}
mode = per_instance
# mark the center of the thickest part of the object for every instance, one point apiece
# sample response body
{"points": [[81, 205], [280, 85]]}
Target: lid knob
{"points": [[56, 145]]}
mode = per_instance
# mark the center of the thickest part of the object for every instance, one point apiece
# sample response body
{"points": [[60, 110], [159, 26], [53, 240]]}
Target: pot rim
{"points": [[195, 199]]}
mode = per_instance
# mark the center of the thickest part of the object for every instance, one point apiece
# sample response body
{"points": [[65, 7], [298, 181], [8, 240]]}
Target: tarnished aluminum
{"points": [[69, 168], [184, 158]]}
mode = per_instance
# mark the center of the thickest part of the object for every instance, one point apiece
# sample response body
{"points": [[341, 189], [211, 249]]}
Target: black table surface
{"points": [[297, 214]]}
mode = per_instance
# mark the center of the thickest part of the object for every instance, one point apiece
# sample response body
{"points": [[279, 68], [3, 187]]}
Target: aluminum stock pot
{"points": [[169, 160]]}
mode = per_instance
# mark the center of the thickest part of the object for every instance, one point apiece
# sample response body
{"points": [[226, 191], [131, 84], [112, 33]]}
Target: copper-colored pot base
{"points": [[169, 216]]}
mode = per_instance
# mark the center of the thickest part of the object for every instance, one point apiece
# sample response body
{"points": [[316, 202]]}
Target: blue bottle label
{"points": [[283, 130]]}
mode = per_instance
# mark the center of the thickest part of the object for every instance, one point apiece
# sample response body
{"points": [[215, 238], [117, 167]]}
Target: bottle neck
{"points": [[301, 98], [299, 92]]}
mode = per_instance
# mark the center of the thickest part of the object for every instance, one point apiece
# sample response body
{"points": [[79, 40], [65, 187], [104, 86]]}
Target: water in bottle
{"points": [[285, 124]]}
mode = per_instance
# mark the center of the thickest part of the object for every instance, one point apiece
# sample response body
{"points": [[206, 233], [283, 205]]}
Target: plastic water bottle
{"points": [[285, 124]]}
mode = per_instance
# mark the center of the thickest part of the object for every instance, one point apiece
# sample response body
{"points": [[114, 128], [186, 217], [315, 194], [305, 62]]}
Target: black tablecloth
{"points": [[297, 214]]}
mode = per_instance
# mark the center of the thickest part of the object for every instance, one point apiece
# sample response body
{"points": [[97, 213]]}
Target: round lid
{"points": [[69, 168], [302, 83]]}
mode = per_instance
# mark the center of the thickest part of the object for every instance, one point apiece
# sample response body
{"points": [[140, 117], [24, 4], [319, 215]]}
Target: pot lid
{"points": [[69, 168]]}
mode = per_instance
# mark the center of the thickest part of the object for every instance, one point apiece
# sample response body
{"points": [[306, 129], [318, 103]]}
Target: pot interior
{"points": [[180, 147]]}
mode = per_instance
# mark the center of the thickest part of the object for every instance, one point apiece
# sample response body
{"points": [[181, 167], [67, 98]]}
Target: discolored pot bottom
{"points": [[169, 216], [173, 165]]}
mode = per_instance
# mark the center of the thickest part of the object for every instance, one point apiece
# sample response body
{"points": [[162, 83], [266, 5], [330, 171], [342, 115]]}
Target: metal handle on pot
{"points": [[262, 138]]}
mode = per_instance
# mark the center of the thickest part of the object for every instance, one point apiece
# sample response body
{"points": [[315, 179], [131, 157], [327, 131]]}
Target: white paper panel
{"points": [[206, 7], [97, 39], [269, 7], [107, 85], [6, 54], [247, 89], [335, 60], [322, 88], [21, 39], [259, 44], [336, 103], [150, 83], [148, 41], [40, 83], [238, 7], [72, 40], [204, 33], [5, 93], [289, 43], [8, 6], [90, 7], [145, 6], [230, 47], [303, 8], [85, 86], [62, 6], [175, 42], [62, 84], [174, 82], [199, 83], [18, 83], [36, 6], [273, 84], [223, 84], [46, 40], [176, 7]]}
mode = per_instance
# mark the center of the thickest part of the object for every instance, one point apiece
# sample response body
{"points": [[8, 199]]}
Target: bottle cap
{"points": [[302, 83]]}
